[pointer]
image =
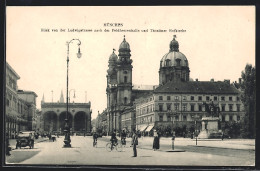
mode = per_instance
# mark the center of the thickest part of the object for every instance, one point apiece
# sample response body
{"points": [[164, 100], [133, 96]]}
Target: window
{"points": [[125, 79], [176, 118], [238, 98], [184, 118], [184, 107], [160, 107], [191, 97], [192, 107], [7, 102], [230, 107], [160, 118], [160, 97], [200, 107], [230, 98], [238, 118], [178, 61], [168, 62], [223, 118], [223, 98], [230, 118], [168, 97], [200, 98], [169, 107], [125, 100], [207, 98], [184, 98], [176, 107], [215, 98], [222, 107], [176, 97], [238, 107], [168, 118]]}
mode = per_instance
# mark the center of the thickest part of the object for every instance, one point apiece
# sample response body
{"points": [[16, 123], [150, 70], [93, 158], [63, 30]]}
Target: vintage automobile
{"points": [[25, 139]]}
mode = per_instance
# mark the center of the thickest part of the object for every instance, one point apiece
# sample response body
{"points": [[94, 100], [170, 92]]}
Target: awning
{"points": [[142, 128], [148, 129]]}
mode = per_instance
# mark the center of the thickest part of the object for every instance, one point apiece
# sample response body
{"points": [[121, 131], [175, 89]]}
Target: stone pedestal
{"points": [[209, 128]]}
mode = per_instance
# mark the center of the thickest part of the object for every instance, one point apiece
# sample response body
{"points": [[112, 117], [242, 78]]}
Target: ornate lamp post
{"points": [[67, 128]]}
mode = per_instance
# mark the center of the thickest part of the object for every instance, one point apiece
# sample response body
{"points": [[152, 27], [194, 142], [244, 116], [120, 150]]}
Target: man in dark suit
{"points": [[134, 142]]}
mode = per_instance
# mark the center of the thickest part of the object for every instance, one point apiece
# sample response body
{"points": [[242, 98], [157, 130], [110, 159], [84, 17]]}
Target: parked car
{"points": [[25, 139]]}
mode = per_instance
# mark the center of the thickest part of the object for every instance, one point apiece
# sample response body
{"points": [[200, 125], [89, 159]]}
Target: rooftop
{"points": [[197, 87]]}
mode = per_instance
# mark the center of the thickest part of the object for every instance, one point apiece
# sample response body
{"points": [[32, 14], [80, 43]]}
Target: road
{"points": [[186, 153]]}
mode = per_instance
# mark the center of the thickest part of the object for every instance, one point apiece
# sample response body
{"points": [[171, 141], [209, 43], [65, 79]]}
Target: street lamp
{"points": [[196, 117], [67, 128]]}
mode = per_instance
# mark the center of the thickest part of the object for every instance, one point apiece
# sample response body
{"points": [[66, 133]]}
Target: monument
{"points": [[209, 128]]}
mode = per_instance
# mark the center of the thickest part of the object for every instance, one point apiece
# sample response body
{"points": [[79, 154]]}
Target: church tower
{"points": [[174, 65], [111, 89], [119, 85], [124, 74], [61, 97]]}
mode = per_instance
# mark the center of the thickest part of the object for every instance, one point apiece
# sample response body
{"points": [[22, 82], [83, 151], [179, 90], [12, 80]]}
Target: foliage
{"points": [[232, 129], [248, 97]]}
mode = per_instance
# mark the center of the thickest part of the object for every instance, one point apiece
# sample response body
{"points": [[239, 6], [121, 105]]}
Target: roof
{"points": [[27, 92], [144, 87], [9, 66], [197, 87]]}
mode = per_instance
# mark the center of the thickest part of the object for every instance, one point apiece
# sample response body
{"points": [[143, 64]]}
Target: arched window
{"points": [[178, 61], [125, 100], [168, 62]]}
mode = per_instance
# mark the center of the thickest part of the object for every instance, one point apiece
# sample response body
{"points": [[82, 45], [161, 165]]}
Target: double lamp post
{"points": [[67, 127]]}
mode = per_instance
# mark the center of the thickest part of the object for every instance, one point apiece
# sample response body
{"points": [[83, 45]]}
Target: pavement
{"points": [[83, 153], [147, 142]]}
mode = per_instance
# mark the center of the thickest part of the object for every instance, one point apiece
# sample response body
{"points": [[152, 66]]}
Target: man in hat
{"points": [[134, 142]]}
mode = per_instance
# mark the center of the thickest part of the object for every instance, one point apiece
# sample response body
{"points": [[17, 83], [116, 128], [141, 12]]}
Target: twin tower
{"points": [[173, 67]]}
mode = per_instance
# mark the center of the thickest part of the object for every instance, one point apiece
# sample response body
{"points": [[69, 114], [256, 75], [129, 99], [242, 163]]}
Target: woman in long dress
{"points": [[156, 144]]}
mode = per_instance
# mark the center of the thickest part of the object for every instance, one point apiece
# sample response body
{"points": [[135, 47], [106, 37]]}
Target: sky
{"points": [[218, 42]]}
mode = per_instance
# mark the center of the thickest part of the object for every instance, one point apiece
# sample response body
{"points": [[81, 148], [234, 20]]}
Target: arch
{"points": [[80, 121], [62, 118], [50, 119]]}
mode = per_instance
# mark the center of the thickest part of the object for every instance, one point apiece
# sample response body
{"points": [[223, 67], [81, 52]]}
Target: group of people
{"points": [[114, 140]]}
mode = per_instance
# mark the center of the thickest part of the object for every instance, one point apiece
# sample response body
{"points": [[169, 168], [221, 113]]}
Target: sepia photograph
{"points": [[130, 86]]}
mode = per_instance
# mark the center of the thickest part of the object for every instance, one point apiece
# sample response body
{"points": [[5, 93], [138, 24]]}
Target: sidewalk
{"points": [[147, 143]]}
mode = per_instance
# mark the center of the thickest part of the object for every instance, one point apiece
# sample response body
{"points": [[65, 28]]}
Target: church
{"points": [[176, 101]]}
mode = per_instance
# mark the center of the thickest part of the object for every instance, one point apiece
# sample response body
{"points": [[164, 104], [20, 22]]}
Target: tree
{"points": [[248, 97]]}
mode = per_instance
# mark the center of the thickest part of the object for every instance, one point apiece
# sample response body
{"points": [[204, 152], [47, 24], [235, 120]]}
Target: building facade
{"points": [[120, 91], [20, 105], [54, 114], [179, 101]]}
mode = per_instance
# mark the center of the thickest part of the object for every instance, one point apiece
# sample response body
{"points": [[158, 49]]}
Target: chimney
{"points": [[212, 80], [197, 79]]}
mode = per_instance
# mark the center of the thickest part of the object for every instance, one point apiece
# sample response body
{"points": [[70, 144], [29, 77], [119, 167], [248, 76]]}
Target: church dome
{"points": [[124, 45], [113, 56], [174, 57]]}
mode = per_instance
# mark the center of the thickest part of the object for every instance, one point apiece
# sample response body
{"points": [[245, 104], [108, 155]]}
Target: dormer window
{"points": [[168, 62], [178, 62]]}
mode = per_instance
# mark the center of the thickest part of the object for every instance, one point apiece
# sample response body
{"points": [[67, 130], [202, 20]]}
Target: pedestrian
{"points": [[134, 142], [156, 142], [222, 136], [8, 149]]}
